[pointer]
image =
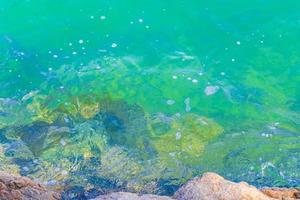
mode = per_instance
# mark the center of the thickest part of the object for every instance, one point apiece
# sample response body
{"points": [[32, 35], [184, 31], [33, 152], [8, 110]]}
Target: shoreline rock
{"points": [[209, 186], [18, 188]]}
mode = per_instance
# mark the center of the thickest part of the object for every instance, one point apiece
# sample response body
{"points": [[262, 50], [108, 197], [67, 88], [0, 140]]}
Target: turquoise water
{"points": [[141, 96]]}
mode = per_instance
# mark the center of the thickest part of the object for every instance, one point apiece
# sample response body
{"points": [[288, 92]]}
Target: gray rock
{"points": [[131, 196]]}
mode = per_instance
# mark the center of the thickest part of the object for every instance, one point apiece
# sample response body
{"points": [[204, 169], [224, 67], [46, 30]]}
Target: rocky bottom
{"points": [[209, 186]]}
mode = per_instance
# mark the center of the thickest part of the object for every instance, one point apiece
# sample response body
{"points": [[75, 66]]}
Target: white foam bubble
{"points": [[114, 45], [102, 17], [178, 135], [80, 41], [141, 20], [170, 102], [187, 103], [210, 90]]}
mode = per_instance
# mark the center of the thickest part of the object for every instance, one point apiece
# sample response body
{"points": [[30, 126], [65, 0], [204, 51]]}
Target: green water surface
{"points": [[142, 95]]}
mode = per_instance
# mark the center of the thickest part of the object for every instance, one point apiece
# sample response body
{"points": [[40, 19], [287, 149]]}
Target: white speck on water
{"points": [[195, 81], [233, 60], [61, 87], [49, 52], [187, 103], [238, 42], [262, 41], [170, 102], [147, 27], [141, 20], [226, 49], [177, 115], [83, 48], [74, 52], [55, 56], [222, 73], [178, 135], [210, 90], [26, 169], [131, 22], [70, 44], [63, 142], [172, 154], [189, 78], [174, 77], [114, 45], [102, 17], [80, 41], [64, 172], [200, 73], [92, 17]]}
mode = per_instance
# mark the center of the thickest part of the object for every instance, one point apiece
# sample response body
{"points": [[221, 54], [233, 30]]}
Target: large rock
{"points": [[22, 188], [131, 196], [211, 186], [282, 193]]}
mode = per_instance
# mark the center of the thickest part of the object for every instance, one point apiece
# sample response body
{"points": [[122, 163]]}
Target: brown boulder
{"points": [[211, 186], [22, 188], [282, 193]]}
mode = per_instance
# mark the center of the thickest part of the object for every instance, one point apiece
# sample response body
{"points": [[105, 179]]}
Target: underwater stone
{"points": [[195, 131], [126, 124], [40, 136]]}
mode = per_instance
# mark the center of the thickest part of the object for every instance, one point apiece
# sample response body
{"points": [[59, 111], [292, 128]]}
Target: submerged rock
{"points": [[22, 188], [125, 124], [131, 196], [185, 138]]}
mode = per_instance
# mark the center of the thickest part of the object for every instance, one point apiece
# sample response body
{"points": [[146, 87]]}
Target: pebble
{"points": [[170, 102], [210, 90]]}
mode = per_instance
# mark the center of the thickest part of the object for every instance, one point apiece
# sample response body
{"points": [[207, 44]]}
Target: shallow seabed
{"points": [[141, 96]]}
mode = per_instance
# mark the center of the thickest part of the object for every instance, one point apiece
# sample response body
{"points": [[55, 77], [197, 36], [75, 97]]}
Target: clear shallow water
{"points": [[142, 96]]}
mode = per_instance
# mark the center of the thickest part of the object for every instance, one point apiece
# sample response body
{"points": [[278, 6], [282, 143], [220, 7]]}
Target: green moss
{"points": [[186, 138]]}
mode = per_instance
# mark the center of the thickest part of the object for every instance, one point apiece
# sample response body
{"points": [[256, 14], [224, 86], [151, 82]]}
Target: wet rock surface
{"points": [[209, 186], [282, 193], [19, 188], [131, 196]]}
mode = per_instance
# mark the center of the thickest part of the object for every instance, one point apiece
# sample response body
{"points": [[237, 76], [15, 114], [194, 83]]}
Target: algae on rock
{"points": [[186, 138]]}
